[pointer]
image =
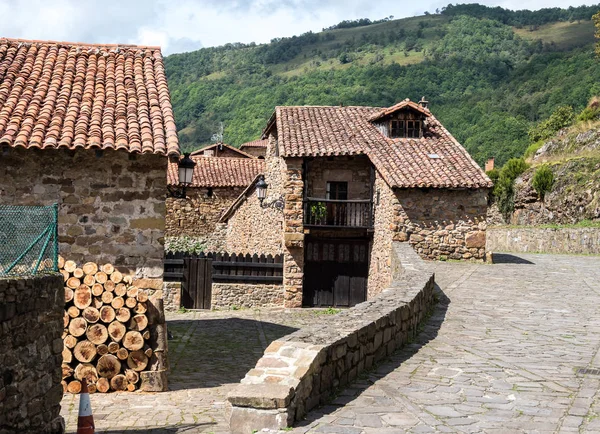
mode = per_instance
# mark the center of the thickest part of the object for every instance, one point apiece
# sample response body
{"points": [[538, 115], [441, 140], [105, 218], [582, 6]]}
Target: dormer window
{"points": [[405, 129]]}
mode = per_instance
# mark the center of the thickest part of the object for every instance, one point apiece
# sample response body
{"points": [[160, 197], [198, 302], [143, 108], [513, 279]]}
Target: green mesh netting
{"points": [[28, 240]]}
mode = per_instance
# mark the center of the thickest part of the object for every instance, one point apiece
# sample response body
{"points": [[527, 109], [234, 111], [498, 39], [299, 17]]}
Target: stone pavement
{"points": [[501, 353], [210, 353]]}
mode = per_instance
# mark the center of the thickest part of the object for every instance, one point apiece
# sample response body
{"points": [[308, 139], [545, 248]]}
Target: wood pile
{"points": [[106, 329]]}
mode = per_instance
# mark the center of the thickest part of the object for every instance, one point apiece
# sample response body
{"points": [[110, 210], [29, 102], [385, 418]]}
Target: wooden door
{"points": [[196, 287], [335, 272]]}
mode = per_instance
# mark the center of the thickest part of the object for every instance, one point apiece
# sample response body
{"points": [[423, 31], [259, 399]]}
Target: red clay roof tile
{"points": [[74, 95], [311, 131], [220, 172], [260, 143]]}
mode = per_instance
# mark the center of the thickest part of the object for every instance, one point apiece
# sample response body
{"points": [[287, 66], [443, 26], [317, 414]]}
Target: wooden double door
{"points": [[335, 272]]}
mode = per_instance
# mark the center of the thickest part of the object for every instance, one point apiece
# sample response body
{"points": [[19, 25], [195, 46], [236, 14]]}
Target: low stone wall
{"points": [[544, 240], [31, 324], [303, 369], [226, 295]]}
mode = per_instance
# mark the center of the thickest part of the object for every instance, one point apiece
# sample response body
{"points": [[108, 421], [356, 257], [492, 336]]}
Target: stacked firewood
{"points": [[106, 329]]}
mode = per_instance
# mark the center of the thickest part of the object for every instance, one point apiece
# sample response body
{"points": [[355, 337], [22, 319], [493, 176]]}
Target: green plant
{"points": [[503, 191], [328, 311], [184, 244], [542, 180], [318, 211], [532, 149], [562, 117], [493, 174], [182, 310]]}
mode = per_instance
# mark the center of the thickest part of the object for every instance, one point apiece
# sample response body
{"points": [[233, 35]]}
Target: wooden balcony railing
{"points": [[338, 213]]}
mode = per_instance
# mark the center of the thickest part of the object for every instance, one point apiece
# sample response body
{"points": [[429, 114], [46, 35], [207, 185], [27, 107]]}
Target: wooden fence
{"points": [[229, 268]]}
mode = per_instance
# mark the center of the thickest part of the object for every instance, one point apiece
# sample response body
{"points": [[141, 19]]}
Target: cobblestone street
{"points": [[500, 354]]}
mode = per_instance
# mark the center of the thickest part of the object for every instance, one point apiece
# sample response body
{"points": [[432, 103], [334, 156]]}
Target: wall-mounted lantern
{"points": [[186, 174], [261, 189]]}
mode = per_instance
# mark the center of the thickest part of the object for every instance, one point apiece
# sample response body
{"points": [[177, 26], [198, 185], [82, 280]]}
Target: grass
{"points": [[564, 35]]}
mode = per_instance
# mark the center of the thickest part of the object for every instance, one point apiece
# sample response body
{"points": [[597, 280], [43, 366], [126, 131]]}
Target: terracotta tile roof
{"points": [[435, 160], [242, 154], [72, 95], [220, 172], [401, 105], [260, 143]]}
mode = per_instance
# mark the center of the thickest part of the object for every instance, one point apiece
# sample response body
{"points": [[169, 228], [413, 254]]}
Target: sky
{"points": [[186, 25]]}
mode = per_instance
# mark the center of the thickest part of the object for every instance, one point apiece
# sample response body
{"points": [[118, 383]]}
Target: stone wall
{"points": [[172, 296], [356, 171], [199, 212], [304, 369], [293, 233], [112, 203], [253, 228], [227, 295], [31, 325], [386, 208], [544, 240], [443, 223]]}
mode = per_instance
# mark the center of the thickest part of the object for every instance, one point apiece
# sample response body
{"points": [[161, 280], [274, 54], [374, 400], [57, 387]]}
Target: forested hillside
{"points": [[489, 73]]}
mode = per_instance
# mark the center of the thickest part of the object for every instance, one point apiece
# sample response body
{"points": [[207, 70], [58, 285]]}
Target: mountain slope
{"points": [[490, 74]]}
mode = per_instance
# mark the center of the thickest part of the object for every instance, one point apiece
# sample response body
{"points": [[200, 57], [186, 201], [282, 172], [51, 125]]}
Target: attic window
{"points": [[434, 156], [405, 129]]}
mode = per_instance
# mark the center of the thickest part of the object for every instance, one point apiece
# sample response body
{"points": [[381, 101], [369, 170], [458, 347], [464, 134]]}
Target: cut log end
{"points": [[108, 366]]}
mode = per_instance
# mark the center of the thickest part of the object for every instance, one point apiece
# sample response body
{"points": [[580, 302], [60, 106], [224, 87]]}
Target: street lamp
{"points": [[186, 174], [261, 189]]}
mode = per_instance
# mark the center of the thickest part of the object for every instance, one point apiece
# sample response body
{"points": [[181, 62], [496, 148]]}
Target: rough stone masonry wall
{"points": [[112, 204], [303, 369], [584, 241], [293, 233], [226, 295], [356, 171], [255, 229], [31, 311], [198, 214], [386, 208], [443, 223]]}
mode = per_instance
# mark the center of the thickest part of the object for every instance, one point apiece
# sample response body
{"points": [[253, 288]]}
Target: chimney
{"points": [[424, 103], [489, 164]]}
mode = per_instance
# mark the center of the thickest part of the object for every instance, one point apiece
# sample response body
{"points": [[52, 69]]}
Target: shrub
{"points": [[514, 168], [503, 191], [493, 174], [561, 118], [543, 180]]}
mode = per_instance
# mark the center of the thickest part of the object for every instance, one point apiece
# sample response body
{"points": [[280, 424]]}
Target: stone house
{"points": [[217, 183], [343, 183], [256, 148], [90, 127], [221, 150]]}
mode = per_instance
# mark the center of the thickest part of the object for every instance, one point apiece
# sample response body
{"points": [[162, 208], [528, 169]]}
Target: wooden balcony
{"points": [[327, 213]]}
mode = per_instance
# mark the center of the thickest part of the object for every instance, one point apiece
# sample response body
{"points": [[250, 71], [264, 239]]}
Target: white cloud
{"points": [[183, 25]]}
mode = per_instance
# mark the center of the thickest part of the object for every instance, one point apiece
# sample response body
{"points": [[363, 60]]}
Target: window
{"points": [[397, 129], [405, 129], [337, 190], [413, 129]]}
